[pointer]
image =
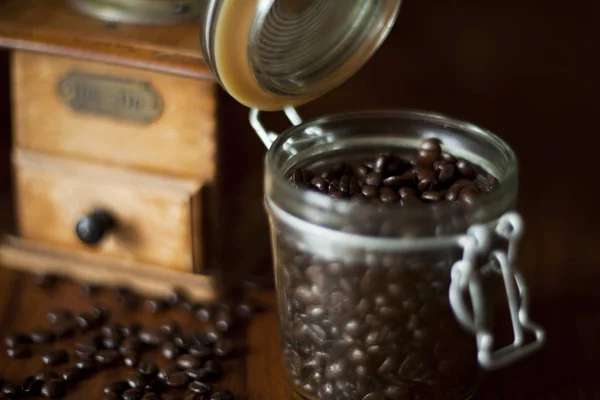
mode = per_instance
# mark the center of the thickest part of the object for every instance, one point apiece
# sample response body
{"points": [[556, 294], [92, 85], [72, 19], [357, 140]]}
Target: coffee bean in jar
{"points": [[368, 213]]}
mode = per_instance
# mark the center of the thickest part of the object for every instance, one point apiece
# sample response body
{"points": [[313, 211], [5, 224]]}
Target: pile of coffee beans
{"points": [[432, 176], [165, 362], [379, 326]]}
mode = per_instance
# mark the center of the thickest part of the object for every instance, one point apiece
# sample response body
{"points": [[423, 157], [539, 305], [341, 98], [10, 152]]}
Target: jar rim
{"points": [[496, 199]]}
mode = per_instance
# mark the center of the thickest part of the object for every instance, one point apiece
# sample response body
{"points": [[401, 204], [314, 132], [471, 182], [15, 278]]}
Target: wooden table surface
{"points": [[564, 370]]}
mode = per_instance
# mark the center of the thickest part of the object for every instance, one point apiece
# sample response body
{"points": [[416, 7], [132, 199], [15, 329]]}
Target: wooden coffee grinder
{"points": [[116, 155]]}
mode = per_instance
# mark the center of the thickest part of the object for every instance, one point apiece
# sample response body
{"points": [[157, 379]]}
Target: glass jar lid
{"points": [[269, 54]]}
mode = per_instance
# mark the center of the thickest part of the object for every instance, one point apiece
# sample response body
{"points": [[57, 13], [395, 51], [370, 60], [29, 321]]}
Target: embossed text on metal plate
{"points": [[110, 96]]}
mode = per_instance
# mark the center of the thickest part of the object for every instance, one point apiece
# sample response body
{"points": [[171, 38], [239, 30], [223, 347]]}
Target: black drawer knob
{"points": [[92, 227]]}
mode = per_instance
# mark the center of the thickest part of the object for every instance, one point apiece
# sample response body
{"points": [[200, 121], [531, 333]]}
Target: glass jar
{"points": [[374, 302], [371, 300]]}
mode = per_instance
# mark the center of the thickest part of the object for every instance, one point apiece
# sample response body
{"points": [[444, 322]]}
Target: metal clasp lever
{"points": [[268, 137], [466, 277]]}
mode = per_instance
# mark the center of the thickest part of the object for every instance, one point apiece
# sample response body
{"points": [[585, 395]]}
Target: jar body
{"points": [[363, 312]]}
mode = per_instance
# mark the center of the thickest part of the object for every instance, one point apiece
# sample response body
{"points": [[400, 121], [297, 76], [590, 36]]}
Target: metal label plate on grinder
{"points": [[109, 96]]}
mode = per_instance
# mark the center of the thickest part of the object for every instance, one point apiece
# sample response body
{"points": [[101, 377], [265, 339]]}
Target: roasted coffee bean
{"points": [[150, 396], [59, 315], [65, 328], [85, 364], [171, 328], [399, 180], [86, 321], [138, 380], [147, 368], [165, 371], [397, 392], [177, 379], [99, 312], [187, 361], [117, 387], [195, 396], [335, 370], [151, 337], [447, 172], [319, 183], [11, 391], [406, 191], [182, 342], [155, 386], [46, 376], [200, 388], [224, 347], [223, 320], [131, 358], [155, 305], [170, 351], [222, 395], [244, 310], [73, 375], [132, 394], [112, 330], [19, 350], [373, 179], [465, 169], [31, 386], [176, 298], [41, 336], [15, 338], [388, 195], [131, 330], [89, 289], [54, 389], [431, 196], [468, 196], [106, 357], [173, 397], [55, 357], [111, 396], [429, 150], [112, 342], [204, 314]]}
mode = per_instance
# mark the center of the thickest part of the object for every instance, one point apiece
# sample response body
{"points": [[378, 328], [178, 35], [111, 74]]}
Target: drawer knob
{"points": [[92, 227]]}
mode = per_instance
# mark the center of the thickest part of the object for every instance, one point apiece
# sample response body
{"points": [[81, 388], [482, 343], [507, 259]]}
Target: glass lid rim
{"points": [[507, 185]]}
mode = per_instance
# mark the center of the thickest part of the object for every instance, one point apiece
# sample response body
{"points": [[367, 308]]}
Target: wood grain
{"points": [[153, 214], [151, 280], [181, 142], [52, 26]]}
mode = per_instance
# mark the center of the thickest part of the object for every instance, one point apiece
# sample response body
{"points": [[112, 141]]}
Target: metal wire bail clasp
{"points": [[268, 137], [466, 279]]}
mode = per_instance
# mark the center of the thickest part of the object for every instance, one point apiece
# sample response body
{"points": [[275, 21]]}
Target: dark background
{"points": [[528, 71]]}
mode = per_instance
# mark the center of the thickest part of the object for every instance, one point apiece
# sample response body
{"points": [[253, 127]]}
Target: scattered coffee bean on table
{"points": [[55, 357], [103, 343], [117, 387], [31, 386], [132, 394], [19, 350], [15, 338], [54, 389], [41, 336], [10, 390]]}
